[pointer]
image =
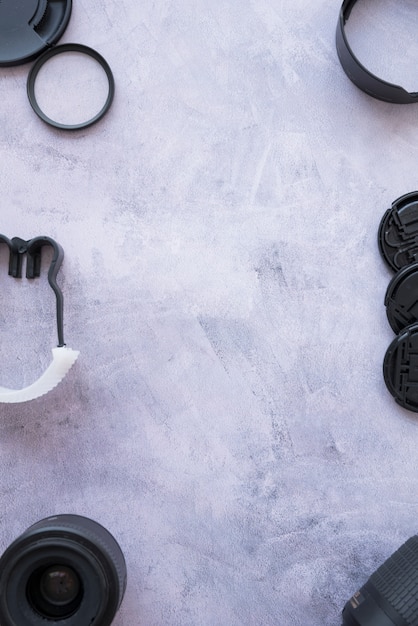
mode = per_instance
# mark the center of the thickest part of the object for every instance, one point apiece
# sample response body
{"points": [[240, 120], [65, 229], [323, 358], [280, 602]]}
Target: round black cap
{"points": [[398, 232], [28, 27], [401, 298], [400, 368]]}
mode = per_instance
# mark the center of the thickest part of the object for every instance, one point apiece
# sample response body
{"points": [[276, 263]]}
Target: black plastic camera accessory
{"points": [[33, 249], [66, 569], [69, 47], [358, 74], [401, 298], [398, 232], [28, 27], [390, 596], [63, 357], [400, 368], [398, 245]]}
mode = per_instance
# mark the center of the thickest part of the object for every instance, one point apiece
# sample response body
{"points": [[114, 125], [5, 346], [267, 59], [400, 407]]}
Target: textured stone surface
{"points": [[227, 418]]}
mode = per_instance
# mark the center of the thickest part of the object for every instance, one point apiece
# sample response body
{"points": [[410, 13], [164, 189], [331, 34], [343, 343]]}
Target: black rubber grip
{"points": [[397, 581]]}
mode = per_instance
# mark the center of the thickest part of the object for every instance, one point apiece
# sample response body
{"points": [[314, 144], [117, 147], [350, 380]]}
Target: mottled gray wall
{"points": [[227, 418]]}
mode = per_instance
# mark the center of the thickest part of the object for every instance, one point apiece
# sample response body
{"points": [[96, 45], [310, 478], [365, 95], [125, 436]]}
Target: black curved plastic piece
{"points": [[69, 47], [359, 75], [13, 271], [400, 368], [33, 249], [28, 27], [398, 232]]}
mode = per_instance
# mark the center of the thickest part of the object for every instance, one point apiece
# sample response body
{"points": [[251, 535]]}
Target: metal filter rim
{"points": [[69, 47]]}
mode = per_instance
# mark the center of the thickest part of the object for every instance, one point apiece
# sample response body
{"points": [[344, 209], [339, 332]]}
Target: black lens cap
{"points": [[400, 368], [28, 27], [401, 298], [398, 232]]}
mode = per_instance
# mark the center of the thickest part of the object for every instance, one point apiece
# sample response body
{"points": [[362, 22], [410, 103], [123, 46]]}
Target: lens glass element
{"points": [[55, 592], [59, 585]]}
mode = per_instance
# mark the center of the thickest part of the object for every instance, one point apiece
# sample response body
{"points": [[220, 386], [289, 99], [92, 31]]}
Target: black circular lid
{"points": [[398, 232], [401, 298], [400, 368], [28, 27]]}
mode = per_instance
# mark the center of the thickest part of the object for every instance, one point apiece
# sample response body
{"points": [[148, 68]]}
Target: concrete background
{"points": [[227, 418]]}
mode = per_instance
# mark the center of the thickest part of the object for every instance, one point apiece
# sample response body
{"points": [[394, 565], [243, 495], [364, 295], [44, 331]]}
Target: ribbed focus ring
{"points": [[397, 581]]}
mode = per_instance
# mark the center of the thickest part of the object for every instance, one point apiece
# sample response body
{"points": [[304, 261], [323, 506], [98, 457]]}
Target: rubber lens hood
{"points": [[358, 74], [63, 569]]}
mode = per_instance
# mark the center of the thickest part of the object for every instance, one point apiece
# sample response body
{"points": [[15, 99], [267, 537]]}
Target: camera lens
{"points": [[390, 596], [65, 567]]}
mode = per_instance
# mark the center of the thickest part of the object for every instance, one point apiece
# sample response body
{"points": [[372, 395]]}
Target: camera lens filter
{"points": [[398, 244], [62, 116]]}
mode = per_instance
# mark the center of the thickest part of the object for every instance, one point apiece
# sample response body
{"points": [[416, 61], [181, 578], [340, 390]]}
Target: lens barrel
{"points": [[390, 596], [65, 569]]}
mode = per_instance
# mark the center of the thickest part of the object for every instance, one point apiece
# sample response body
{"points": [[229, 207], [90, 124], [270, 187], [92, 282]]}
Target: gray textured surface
{"points": [[227, 418]]}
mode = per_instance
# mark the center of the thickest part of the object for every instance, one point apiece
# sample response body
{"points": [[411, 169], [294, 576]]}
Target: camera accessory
{"points": [[400, 368], [398, 232], [358, 74], [401, 298], [69, 47], [63, 357], [64, 569], [28, 27], [390, 596]]}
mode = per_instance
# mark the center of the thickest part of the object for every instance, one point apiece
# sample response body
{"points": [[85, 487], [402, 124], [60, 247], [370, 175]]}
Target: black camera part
{"points": [[65, 569], [28, 27], [63, 357], [69, 47], [400, 368], [401, 298], [398, 232], [33, 248], [358, 74], [29, 30], [390, 596]]}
